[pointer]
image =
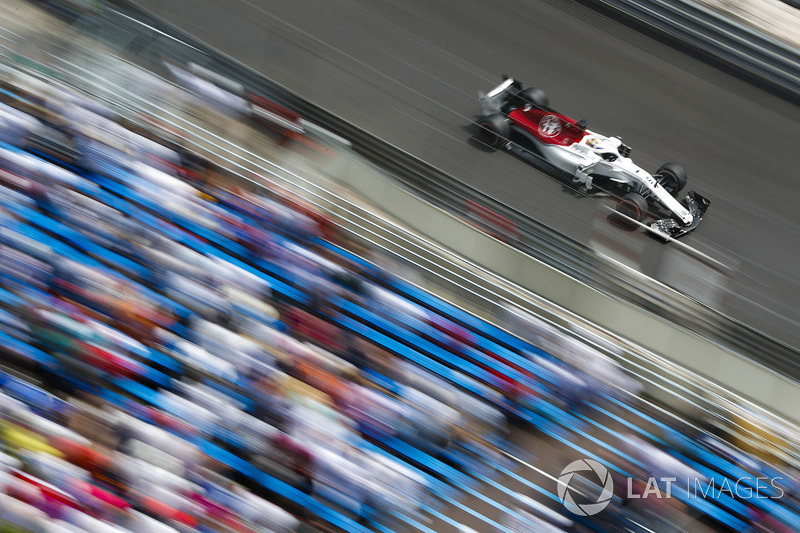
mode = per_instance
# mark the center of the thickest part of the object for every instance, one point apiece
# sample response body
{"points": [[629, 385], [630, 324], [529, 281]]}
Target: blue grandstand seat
{"points": [[27, 351], [279, 487], [40, 400]]}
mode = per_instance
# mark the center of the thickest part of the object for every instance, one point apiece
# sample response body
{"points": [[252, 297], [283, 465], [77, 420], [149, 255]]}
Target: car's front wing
{"points": [[696, 204]]}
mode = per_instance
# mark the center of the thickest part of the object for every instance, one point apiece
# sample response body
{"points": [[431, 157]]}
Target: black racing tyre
{"points": [[493, 131], [535, 96], [672, 177], [633, 205]]}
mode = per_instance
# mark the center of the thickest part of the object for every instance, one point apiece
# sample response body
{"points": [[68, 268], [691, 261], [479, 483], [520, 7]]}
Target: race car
{"points": [[521, 121]]}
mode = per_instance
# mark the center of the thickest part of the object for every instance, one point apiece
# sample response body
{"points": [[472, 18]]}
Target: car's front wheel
{"points": [[493, 131], [633, 205], [672, 177]]}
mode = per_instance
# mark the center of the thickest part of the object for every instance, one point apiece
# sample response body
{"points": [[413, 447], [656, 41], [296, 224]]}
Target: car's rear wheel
{"points": [[672, 177], [633, 205], [493, 131], [535, 96]]}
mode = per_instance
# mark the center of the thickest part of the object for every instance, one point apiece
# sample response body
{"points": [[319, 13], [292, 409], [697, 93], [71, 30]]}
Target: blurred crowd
{"points": [[185, 354], [130, 297]]}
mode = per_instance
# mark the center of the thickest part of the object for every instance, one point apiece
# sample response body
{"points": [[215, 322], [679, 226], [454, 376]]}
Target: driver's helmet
{"points": [[604, 146]]}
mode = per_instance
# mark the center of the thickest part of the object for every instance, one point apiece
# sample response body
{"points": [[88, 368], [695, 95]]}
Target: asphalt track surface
{"points": [[409, 71]]}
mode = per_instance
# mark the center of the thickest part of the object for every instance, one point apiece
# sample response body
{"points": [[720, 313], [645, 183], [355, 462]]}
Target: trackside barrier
{"points": [[757, 56]]}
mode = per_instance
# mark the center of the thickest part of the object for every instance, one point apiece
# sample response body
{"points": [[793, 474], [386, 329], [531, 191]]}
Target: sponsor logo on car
{"points": [[550, 126]]}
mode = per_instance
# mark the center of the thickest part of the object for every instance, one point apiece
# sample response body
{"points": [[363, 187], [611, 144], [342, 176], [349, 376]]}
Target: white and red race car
{"points": [[520, 120]]}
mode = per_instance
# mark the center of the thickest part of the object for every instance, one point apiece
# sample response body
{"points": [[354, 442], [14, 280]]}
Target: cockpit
{"points": [[609, 148]]}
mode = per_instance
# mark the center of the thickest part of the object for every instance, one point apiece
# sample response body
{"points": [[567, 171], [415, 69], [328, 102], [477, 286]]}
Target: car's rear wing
{"points": [[493, 101]]}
